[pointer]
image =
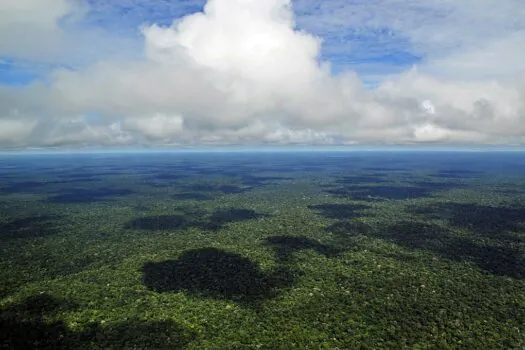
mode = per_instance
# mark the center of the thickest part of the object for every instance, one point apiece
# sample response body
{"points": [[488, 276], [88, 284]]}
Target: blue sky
{"points": [[11, 73]]}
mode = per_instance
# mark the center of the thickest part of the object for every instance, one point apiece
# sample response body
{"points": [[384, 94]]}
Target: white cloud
{"points": [[13, 130], [241, 72], [157, 127], [52, 32], [30, 28], [496, 59]]}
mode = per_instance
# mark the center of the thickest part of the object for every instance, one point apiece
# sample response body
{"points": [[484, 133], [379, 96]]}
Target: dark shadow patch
{"points": [[417, 235], [489, 221], [26, 326], [193, 217], [457, 173], [137, 334], [291, 168], [218, 188], [195, 196], [349, 228], [159, 223], [57, 266], [215, 273], [382, 174], [222, 217], [191, 211], [38, 305], [87, 195], [339, 211], [33, 334], [169, 176], [497, 260], [90, 172], [200, 187], [23, 187], [280, 169], [257, 181], [30, 227], [75, 180], [166, 176], [286, 246], [394, 193], [360, 179], [232, 189], [438, 186], [160, 184], [201, 171], [386, 169], [72, 176], [380, 193]]}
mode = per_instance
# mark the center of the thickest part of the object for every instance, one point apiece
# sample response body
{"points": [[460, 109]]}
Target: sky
{"points": [[249, 73]]}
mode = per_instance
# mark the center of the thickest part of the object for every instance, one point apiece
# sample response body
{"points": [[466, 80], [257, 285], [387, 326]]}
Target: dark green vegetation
{"points": [[272, 251], [215, 273]]}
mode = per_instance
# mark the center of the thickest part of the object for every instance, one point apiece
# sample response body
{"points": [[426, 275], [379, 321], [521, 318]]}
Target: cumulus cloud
{"points": [[156, 127], [14, 131], [241, 72], [30, 28], [38, 34]]}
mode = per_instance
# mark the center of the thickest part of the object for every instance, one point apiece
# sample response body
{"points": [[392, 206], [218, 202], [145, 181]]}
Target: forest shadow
{"points": [[195, 196], [220, 218], [498, 260], [217, 188], [38, 305], [349, 228], [416, 235], [87, 195], [159, 223], [358, 179], [26, 325], [378, 193], [286, 246], [137, 334], [494, 222], [217, 274], [339, 211], [289, 168], [433, 186], [89, 176], [30, 227], [386, 169], [243, 179], [75, 175], [22, 187], [168, 176], [75, 180], [194, 218], [251, 181], [495, 259], [457, 173], [78, 176], [395, 192]]}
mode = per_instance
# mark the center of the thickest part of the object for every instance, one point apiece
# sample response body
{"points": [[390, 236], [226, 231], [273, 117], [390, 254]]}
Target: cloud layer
{"points": [[242, 72]]}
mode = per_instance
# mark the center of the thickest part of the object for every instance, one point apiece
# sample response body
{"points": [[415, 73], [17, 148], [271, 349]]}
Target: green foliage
{"points": [[264, 259]]}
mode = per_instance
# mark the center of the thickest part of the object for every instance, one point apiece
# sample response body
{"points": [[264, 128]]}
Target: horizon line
{"points": [[269, 149]]}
